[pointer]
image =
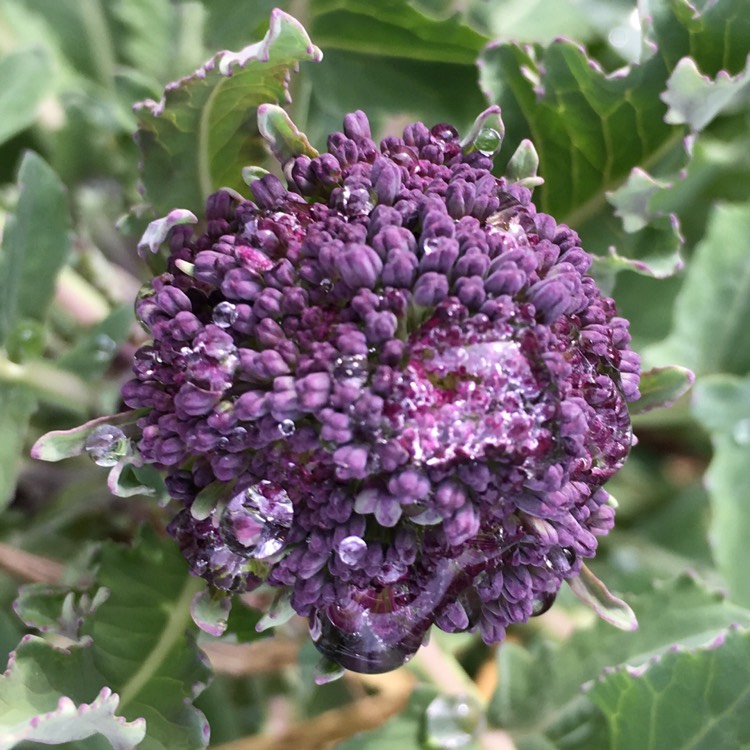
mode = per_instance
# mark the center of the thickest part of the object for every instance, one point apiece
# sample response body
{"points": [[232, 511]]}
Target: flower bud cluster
{"points": [[400, 384]]}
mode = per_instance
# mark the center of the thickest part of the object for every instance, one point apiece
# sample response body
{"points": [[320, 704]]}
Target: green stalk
{"points": [[51, 384]]}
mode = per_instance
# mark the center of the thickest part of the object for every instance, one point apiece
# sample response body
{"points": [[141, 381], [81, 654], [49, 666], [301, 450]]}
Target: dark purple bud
{"points": [[267, 304], [241, 284], [268, 192], [459, 198], [326, 170], [430, 289], [172, 300], [470, 291], [380, 326], [313, 391], [357, 126], [417, 134], [359, 266], [351, 462], [252, 405], [192, 401], [386, 181], [184, 326]]}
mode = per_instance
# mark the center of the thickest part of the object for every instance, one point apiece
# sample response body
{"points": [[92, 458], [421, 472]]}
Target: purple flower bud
{"points": [[191, 401], [430, 289], [357, 126], [359, 266]]}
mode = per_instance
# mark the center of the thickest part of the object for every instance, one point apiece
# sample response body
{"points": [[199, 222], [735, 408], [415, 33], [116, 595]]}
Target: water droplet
{"points": [[741, 432], [255, 522], [287, 427], [352, 550], [488, 141], [351, 367], [224, 314], [452, 722], [561, 559], [326, 285], [542, 602], [107, 444], [430, 245]]}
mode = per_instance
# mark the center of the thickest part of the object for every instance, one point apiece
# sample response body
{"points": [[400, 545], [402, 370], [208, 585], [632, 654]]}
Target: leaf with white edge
{"points": [[68, 722], [35, 244], [129, 477], [204, 131], [139, 643], [695, 99], [157, 230], [632, 201], [283, 137], [686, 698], [210, 611], [491, 120], [710, 332], [595, 595], [661, 387], [547, 708], [60, 444], [56, 609]]}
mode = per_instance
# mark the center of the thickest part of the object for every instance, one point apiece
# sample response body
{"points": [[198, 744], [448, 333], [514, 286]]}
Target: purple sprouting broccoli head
{"points": [[400, 386]]}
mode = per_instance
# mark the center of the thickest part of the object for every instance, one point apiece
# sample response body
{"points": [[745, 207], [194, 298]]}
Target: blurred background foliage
{"points": [[73, 203]]}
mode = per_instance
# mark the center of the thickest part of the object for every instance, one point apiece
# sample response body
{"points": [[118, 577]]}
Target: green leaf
{"points": [[393, 62], [137, 644], [33, 712], [282, 135], [721, 403], [17, 405], [26, 76], [661, 387], [404, 731], [543, 706], [392, 28], [35, 245], [695, 100], [710, 331], [204, 130], [697, 699]]}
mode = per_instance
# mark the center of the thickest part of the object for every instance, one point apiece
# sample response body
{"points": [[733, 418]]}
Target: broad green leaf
{"points": [[404, 731], [393, 62], [661, 387], [25, 76], [35, 244], [710, 332], [17, 405], [204, 130], [391, 28], [138, 644], [542, 705], [686, 699], [34, 712]]}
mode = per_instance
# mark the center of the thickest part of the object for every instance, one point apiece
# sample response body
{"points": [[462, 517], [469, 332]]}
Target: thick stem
{"points": [[79, 299]]}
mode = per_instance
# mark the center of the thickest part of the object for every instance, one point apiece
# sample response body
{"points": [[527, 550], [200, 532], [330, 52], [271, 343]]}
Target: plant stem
{"points": [[51, 384], [442, 670], [79, 299]]}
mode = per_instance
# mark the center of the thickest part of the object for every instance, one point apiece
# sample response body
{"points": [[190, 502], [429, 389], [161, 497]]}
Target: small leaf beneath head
{"points": [[282, 135], [594, 594], [661, 387]]}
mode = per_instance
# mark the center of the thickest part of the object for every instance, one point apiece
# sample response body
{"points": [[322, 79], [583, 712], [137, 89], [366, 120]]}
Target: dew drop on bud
{"points": [[224, 314], [352, 550], [452, 722], [286, 428], [542, 602], [104, 348], [430, 245], [352, 367], [107, 444], [256, 521], [326, 285], [488, 141]]}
